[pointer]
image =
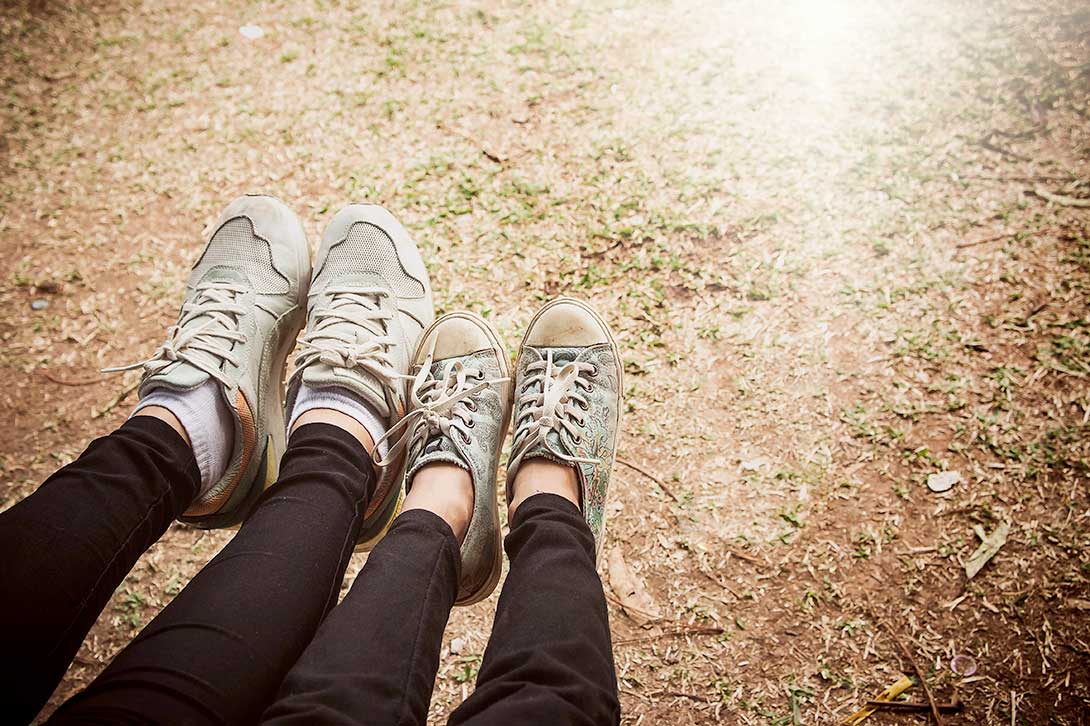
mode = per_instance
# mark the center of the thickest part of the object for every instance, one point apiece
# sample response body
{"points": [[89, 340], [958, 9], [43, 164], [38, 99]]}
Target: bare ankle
{"points": [[542, 476], [445, 490]]}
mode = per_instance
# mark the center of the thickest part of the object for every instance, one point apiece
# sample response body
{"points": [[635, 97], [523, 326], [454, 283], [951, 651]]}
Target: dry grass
{"points": [[815, 231]]}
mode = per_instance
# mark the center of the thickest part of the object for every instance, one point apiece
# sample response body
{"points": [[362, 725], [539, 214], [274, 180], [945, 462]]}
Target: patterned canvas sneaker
{"points": [[369, 302], [243, 309], [568, 389], [459, 409]]}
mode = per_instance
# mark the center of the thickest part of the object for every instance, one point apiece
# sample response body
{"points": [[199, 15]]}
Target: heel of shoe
{"points": [[234, 514], [373, 531]]}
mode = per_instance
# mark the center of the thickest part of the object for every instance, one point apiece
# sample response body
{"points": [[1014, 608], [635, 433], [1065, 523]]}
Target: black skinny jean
{"points": [[255, 636]]}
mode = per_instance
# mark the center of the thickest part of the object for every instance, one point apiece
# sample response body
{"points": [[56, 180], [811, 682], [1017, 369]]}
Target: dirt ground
{"points": [[845, 246]]}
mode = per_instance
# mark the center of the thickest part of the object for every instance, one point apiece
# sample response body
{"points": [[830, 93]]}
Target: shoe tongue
{"points": [[438, 448], [180, 375], [540, 450], [441, 448], [350, 309], [360, 382], [560, 358], [216, 274]]}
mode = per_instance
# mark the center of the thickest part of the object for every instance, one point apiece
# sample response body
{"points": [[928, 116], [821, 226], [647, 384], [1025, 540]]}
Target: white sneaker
{"points": [[242, 311], [369, 302]]}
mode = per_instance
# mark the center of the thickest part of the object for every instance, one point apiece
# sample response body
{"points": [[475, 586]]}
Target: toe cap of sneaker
{"points": [[454, 335], [566, 323], [274, 222]]}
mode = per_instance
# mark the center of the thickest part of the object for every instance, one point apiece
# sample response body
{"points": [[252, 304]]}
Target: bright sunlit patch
{"points": [[823, 38]]}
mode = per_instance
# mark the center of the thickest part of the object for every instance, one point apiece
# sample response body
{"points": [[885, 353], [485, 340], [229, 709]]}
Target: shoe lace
{"points": [[327, 342], [438, 405], [215, 303], [553, 399]]}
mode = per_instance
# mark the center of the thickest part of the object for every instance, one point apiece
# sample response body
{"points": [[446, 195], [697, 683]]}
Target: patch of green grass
{"points": [[467, 667], [131, 607]]}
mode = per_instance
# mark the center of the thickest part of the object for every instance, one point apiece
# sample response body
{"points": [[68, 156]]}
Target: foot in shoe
{"points": [[369, 301], [567, 410], [459, 409], [220, 371], [445, 490]]}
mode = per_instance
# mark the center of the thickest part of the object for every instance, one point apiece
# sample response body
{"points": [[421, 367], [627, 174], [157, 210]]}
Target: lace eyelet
{"points": [[594, 370], [470, 424]]}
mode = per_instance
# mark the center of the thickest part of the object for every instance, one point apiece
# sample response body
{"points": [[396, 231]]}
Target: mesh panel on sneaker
{"points": [[368, 249], [235, 245]]}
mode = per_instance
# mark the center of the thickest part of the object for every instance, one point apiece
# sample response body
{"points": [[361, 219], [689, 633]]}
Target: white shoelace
{"points": [[558, 406], [437, 406], [359, 307], [215, 301]]}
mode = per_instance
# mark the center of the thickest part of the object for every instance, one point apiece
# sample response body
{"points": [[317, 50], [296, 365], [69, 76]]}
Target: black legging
{"points": [[246, 641]]}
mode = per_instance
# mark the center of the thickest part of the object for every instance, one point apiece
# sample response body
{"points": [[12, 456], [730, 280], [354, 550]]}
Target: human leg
{"points": [[199, 447], [375, 658], [549, 659], [69, 544]]}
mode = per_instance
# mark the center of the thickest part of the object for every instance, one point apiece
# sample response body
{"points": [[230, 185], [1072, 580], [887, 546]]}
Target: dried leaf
{"points": [[630, 590], [900, 686], [989, 545]]}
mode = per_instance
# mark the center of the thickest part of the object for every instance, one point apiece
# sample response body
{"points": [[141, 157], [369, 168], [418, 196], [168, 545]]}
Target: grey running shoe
{"points": [[369, 302], [459, 409], [242, 311], [568, 389]]}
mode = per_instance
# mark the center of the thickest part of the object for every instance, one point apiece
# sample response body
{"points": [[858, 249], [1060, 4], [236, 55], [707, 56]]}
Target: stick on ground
{"points": [[919, 673], [649, 475]]}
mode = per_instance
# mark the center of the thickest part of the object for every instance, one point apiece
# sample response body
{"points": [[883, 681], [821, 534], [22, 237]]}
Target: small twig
{"points": [[651, 616], [630, 692], [117, 400], [919, 673], [914, 706], [604, 250], [748, 558], [1028, 134], [64, 382], [675, 633], [649, 475], [986, 142], [1012, 178], [719, 582], [680, 694], [1060, 199], [1043, 230], [491, 156], [963, 245]]}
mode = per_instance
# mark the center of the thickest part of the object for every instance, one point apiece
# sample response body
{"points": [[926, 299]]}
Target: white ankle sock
{"points": [[343, 400], [206, 420]]}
